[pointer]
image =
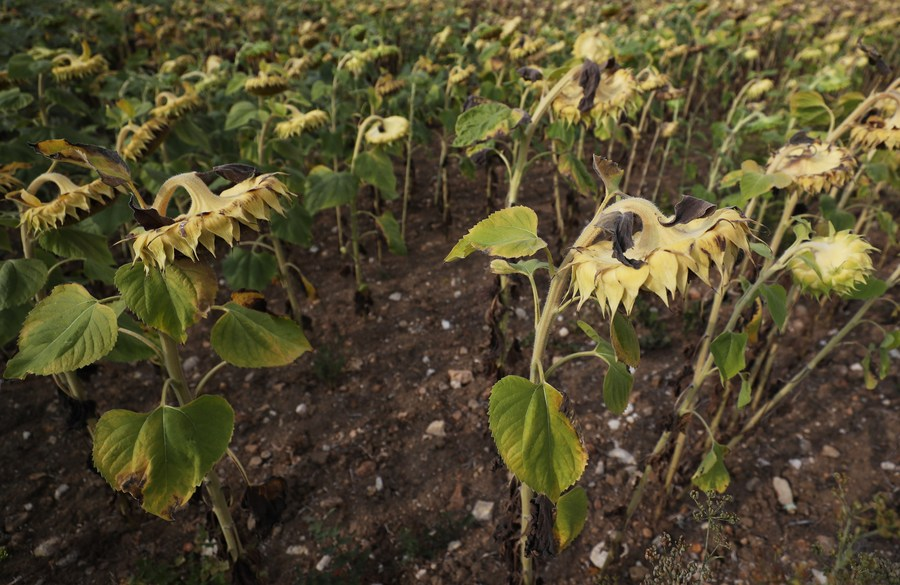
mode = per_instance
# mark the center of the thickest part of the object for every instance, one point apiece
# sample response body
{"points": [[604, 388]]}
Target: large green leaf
{"points": [[617, 386], [165, 300], [13, 100], [20, 280], [390, 229], [11, 321], [571, 167], [161, 457], [535, 439], [128, 348], [294, 227], [67, 330], [326, 188], [571, 514], [624, 340], [485, 122], [712, 475], [508, 233], [71, 242], [375, 168], [241, 114], [728, 352], [244, 268], [253, 339]]}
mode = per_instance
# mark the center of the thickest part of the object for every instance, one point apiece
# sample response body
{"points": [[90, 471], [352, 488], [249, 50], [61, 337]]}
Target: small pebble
{"points": [[48, 547], [302, 409], [614, 424], [365, 469], [60, 491], [885, 465], [829, 451], [459, 378], [454, 545], [323, 563], [26, 435], [379, 483], [784, 494], [857, 367], [256, 461], [483, 511], [445, 325], [395, 296], [563, 332], [437, 428], [190, 363], [297, 550], [599, 555], [521, 313], [795, 463]]}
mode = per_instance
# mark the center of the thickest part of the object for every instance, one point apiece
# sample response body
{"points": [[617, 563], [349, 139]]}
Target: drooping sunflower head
{"points": [[459, 74], [525, 46], [877, 130], [759, 87], [812, 165], [426, 65], [178, 65], [172, 107], [295, 67], [834, 263], [387, 130], [69, 67], [616, 93], [136, 142], [73, 202], [8, 180], [650, 79], [300, 122], [387, 84], [647, 249], [266, 83], [594, 45], [209, 216]]}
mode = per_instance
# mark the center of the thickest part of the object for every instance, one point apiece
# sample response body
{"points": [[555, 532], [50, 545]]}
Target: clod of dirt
{"points": [[48, 548]]}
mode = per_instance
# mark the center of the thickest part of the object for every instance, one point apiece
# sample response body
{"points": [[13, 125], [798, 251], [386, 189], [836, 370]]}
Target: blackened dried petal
{"points": [[801, 138], [149, 218], [875, 58], [530, 73], [621, 228], [232, 172], [689, 209], [474, 100], [589, 80]]}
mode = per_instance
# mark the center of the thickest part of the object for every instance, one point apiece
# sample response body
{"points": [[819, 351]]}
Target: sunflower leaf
{"points": [[508, 233], [253, 339], [571, 514], [107, 163]]}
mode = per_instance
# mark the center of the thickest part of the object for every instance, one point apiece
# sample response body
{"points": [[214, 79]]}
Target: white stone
{"points": [[614, 424], [26, 435], [829, 451], [60, 491], [521, 313], [379, 483], [323, 563], [437, 428], [622, 455], [190, 363], [888, 466], [395, 296], [297, 550], [599, 555], [784, 493], [459, 378], [302, 409], [563, 332], [454, 545], [483, 511], [48, 547], [795, 463], [445, 325], [857, 367]]}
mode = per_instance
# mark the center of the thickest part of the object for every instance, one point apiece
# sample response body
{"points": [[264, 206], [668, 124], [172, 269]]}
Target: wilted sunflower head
{"points": [[295, 67], [758, 87], [355, 62], [650, 79], [142, 140], [265, 84], [525, 46], [300, 122], [209, 216], [459, 74], [616, 93], [834, 263], [387, 84], [811, 164], [877, 130], [594, 45], [423, 63], [647, 249], [172, 107], [509, 26], [387, 130], [8, 180], [73, 201], [68, 66], [177, 65]]}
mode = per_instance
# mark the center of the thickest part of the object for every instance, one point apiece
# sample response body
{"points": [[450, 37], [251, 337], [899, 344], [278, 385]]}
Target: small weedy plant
{"points": [[160, 457], [610, 263]]}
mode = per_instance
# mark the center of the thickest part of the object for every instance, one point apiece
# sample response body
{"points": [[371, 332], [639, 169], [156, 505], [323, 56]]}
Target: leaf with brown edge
{"points": [[162, 456], [250, 299], [109, 165], [689, 209], [609, 172]]}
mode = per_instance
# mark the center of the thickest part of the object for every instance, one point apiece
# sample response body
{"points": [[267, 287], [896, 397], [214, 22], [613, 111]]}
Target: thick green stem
{"points": [[286, 279], [354, 216], [172, 362]]}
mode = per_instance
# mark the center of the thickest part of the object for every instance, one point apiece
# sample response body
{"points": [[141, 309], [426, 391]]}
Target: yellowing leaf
{"points": [[571, 514], [161, 457], [508, 233], [108, 164], [712, 473], [535, 439]]}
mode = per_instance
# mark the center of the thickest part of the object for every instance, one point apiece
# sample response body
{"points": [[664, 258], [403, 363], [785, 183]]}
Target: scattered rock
{"points": [[457, 500], [622, 455], [888, 466], [323, 563], [437, 428], [483, 511], [395, 296], [48, 547], [379, 483], [795, 463], [829, 451], [521, 313], [60, 491], [297, 550], [459, 378], [331, 502], [784, 494], [614, 424], [190, 363], [599, 555], [563, 331], [302, 409], [445, 325], [26, 435], [454, 545], [256, 461]]}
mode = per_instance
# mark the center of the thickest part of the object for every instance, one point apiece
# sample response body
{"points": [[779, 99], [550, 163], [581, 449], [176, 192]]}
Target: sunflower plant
{"points": [[162, 456], [629, 246]]}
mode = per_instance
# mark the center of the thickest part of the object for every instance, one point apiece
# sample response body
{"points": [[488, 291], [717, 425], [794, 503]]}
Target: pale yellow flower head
{"points": [[813, 165], [300, 122], [877, 131], [758, 88], [387, 130], [835, 263], [73, 202], [652, 251], [209, 216], [172, 107], [139, 141], [594, 45], [264, 84], [68, 66], [387, 84]]}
